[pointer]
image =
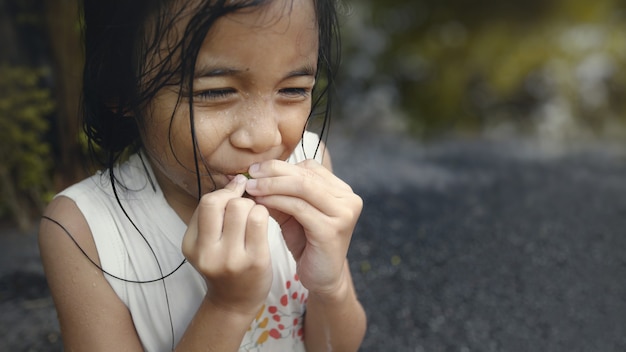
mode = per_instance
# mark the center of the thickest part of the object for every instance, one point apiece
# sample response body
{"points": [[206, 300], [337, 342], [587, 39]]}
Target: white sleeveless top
{"points": [[162, 309]]}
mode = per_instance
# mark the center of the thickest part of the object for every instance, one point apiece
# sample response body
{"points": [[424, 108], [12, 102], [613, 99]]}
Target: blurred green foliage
{"points": [[25, 154], [552, 67]]}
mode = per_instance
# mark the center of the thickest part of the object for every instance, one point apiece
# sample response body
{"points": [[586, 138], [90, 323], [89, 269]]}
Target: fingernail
{"points": [[251, 184], [254, 168], [240, 179]]}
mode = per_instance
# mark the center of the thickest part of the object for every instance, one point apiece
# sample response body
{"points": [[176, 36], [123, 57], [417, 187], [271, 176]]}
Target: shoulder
{"points": [[66, 244], [63, 221], [79, 289]]}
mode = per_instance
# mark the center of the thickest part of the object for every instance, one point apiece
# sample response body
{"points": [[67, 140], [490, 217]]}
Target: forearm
{"points": [[335, 323], [214, 328]]}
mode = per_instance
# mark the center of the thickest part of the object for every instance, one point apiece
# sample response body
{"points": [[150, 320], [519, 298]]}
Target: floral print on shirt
{"points": [[279, 320]]}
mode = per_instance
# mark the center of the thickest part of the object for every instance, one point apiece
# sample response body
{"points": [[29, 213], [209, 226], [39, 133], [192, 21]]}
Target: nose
{"points": [[257, 127]]}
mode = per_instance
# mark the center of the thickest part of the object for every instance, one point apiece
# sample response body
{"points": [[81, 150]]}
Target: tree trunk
{"points": [[64, 31], [16, 204], [8, 37]]}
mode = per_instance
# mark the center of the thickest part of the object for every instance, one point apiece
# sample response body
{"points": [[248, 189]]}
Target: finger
{"points": [[191, 236], [236, 184], [340, 215], [256, 241], [287, 207], [278, 216], [235, 218], [304, 190], [306, 179], [306, 168], [312, 190], [212, 207]]}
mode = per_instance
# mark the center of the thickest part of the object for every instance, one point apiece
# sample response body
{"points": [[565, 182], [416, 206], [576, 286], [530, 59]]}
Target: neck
{"points": [[183, 203]]}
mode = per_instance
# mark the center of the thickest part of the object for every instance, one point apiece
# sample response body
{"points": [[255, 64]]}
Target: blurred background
{"points": [[546, 68], [475, 236]]}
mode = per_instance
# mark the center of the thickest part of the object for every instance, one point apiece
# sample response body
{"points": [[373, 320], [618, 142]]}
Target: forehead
{"points": [[276, 17], [255, 14], [297, 17], [277, 30], [270, 12]]}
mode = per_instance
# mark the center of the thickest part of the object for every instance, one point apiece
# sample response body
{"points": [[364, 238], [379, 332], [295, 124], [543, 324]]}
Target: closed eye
{"points": [[295, 92], [214, 94]]}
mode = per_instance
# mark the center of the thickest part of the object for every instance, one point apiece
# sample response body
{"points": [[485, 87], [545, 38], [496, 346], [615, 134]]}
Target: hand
{"points": [[317, 213], [226, 242]]}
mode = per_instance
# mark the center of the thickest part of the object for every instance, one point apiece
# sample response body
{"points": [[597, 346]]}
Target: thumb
{"points": [[238, 183], [191, 235], [292, 232], [280, 217]]}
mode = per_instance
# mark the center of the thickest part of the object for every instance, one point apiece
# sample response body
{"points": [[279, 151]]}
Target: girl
{"points": [[172, 247]]}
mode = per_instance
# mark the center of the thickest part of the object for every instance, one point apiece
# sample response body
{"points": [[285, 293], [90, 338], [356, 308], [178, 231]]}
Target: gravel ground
{"points": [[462, 246], [28, 320]]}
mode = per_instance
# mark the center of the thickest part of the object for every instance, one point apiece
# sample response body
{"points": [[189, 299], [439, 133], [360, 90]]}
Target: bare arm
{"points": [[91, 315], [335, 322], [215, 329]]}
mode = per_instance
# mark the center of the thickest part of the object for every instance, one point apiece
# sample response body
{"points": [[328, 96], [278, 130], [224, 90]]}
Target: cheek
{"points": [[168, 138], [179, 143], [161, 122], [211, 132], [293, 125]]}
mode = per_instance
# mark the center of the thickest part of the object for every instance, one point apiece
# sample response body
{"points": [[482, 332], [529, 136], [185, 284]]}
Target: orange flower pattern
{"points": [[278, 320]]}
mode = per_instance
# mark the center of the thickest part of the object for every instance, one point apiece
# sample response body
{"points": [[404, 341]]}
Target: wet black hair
{"points": [[122, 73]]}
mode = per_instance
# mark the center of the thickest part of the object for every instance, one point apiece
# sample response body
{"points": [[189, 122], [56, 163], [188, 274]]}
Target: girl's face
{"points": [[252, 96]]}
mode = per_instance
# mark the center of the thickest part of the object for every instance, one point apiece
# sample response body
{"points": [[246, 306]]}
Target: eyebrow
{"points": [[307, 70], [208, 72], [216, 72]]}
